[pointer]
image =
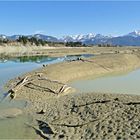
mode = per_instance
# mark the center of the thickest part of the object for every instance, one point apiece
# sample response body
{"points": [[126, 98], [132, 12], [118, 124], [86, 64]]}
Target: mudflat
{"points": [[61, 112]]}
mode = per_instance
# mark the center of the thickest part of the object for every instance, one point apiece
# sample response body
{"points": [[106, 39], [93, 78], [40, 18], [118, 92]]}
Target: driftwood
{"points": [[55, 81], [28, 80], [64, 88], [40, 87], [18, 86]]}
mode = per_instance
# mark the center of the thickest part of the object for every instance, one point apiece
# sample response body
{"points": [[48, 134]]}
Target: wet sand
{"points": [[74, 115]]}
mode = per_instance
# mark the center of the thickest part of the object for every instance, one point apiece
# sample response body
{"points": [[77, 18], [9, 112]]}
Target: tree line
{"points": [[4, 41], [39, 42], [108, 45], [32, 40], [74, 44], [35, 41]]}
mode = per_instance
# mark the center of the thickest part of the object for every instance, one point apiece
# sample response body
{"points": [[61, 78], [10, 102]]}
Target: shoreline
{"points": [[17, 51], [81, 116]]}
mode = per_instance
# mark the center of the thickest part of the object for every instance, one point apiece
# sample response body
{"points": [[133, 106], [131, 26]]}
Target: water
{"points": [[123, 84], [14, 128]]}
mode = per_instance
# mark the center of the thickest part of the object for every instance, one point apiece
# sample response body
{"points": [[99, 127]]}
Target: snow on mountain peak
{"points": [[3, 36], [80, 37], [135, 33]]}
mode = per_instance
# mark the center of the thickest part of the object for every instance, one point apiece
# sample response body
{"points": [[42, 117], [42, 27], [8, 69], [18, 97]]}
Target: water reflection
{"points": [[22, 59], [40, 59]]}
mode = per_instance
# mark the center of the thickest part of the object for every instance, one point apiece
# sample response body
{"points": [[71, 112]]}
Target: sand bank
{"points": [[91, 68], [81, 116]]}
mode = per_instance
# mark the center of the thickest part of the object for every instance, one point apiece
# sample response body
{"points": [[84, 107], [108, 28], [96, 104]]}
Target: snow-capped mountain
{"points": [[38, 36], [13, 37], [135, 33], [3, 36], [83, 38], [130, 39], [87, 39], [67, 39], [45, 37]]}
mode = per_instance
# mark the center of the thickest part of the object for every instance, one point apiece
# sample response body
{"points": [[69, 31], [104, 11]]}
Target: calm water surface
{"points": [[123, 84]]}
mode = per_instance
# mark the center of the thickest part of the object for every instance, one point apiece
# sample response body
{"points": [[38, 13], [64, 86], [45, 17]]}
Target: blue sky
{"points": [[62, 18]]}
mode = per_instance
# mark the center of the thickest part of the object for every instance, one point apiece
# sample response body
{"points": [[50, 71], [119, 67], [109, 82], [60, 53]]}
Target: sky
{"points": [[59, 18]]}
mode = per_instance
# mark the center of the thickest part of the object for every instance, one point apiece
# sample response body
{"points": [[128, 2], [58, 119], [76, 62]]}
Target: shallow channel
{"points": [[120, 84]]}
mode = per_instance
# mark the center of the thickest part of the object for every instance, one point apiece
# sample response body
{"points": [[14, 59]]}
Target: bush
{"points": [[74, 44]]}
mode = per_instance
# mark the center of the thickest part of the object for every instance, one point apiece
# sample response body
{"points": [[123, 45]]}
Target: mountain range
{"points": [[130, 39]]}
